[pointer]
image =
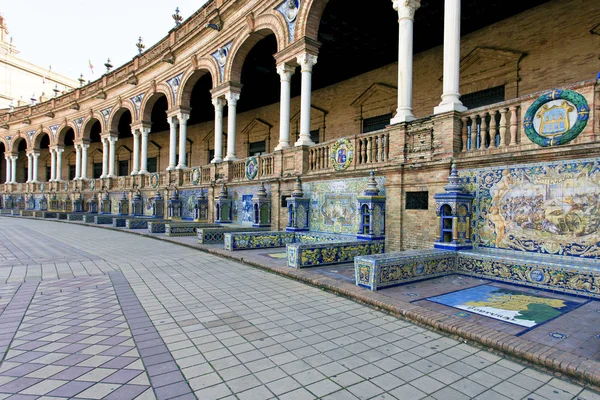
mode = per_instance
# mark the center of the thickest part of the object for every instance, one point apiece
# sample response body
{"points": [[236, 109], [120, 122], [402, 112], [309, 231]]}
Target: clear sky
{"points": [[65, 34]]}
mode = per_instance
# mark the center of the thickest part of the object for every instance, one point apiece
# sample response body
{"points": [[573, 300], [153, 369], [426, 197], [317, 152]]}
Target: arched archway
{"points": [[2, 163], [20, 147]]}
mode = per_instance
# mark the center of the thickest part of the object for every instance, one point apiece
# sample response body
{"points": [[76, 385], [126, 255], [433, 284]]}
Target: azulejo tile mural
{"points": [[334, 206], [551, 208], [242, 202], [188, 202], [508, 305]]}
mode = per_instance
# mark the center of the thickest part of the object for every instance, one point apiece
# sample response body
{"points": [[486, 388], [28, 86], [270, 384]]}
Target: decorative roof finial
{"points": [[297, 192], [262, 192], [177, 18], [140, 45], [371, 189], [454, 185]]}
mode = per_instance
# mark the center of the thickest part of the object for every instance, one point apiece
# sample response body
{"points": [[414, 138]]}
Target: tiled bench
{"points": [[62, 215], [105, 219], [302, 255], [580, 276], [573, 275], [5, 212], [49, 214], [216, 234], [176, 228], [156, 226], [74, 217], [89, 218], [270, 239], [27, 213], [391, 269]]}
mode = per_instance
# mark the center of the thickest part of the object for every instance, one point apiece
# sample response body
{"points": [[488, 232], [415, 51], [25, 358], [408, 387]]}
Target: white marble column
{"points": [[232, 99], [183, 118], [406, 14], [219, 103], [144, 162], [306, 61], [8, 174], [451, 96], [52, 165], [13, 169], [58, 151], [77, 162], [104, 158], [135, 169], [172, 142], [29, 167], [84, 160], [285, 73], [34, 176], [112, 142]]}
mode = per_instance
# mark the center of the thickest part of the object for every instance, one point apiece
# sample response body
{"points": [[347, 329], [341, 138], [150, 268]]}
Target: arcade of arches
{"points": [[404, 86]]}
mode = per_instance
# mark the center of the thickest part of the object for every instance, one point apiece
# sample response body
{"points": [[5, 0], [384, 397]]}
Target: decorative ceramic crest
{"points": [[251, 168], [137, 103], [105, 113], [289, 10], [92, 184], [342, 154], [556, 118], [42, 186], [195, 175], [154, 180], [221, 56], [174, 83]]}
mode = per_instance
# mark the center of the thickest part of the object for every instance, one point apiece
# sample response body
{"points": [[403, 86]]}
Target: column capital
{"points": [[306, 61], [218, 102], [110, 135], [145, 130], [35, 153], [183, 117], [57, 148], [173, 120], [232, 97], [226, 87], [285, 71], [140, 125], [406, 8]]}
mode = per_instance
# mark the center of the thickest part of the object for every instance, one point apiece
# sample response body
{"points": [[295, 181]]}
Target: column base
{"points": [[230, 158], [143, 173], [111, 176], [171, 167], [304, 141], [450, 106], [402, 117], [282, 146], [216, 160], [181, 167], [133, 173]]}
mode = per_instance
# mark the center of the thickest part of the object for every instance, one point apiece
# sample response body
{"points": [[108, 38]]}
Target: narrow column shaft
{"points": [[77, 161], [219, 103], [111, 158], [29, 167], [285, 72], [59, 164], [13, 169], [52, 165], [104, 158], [172, 143], [406, 13], [232, 99], [451, 96], [35, 167], [8, 174], [136, 152], [306, 62], [144, 156], [183, 118], [84, 160]]}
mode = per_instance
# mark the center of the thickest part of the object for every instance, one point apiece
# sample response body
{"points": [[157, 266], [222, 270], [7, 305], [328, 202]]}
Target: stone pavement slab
{"points": [[147, 319]]}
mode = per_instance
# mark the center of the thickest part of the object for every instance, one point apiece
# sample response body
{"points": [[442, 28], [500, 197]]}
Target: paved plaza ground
{"points": [[93, 313]]}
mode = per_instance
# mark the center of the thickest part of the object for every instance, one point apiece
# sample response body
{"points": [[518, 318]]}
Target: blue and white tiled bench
{"points": [[575, 275], [302, 255], [156, 226], [270, 239], [579, 276], [62, 215], [104, 219], [27, 213], [5, 212], [391, 269], [48, 214], [74, 217], [178, 228], [216, 234]]}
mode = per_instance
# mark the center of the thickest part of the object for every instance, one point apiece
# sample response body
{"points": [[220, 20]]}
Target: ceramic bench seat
{"points": [[216, 234], [579, 276], [303, 255], [271, 239]]}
